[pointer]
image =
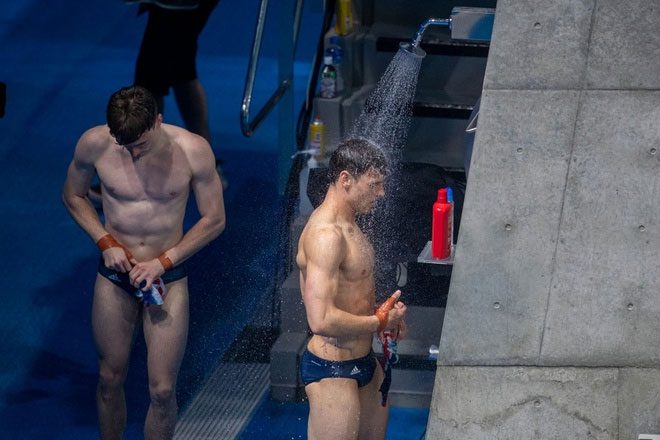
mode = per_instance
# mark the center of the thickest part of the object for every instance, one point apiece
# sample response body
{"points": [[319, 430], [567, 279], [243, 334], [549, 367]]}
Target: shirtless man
{"points": [[341, 374], [146, 169]]}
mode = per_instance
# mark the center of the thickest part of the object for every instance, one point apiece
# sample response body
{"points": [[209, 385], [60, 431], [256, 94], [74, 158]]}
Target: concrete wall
{"points": [[552, 326]]}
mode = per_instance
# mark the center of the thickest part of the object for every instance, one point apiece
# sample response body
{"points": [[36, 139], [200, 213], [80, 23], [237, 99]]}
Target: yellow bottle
{"points": [[317, 137], [344, 25]]}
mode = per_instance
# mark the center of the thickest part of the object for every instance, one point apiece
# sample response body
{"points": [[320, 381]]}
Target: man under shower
{"points": [[346, 386]]}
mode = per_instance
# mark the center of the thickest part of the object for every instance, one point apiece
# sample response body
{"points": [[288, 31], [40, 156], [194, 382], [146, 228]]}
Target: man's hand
{"points": [[146, 271], [395, 316], [116, 258], [391, 313]]}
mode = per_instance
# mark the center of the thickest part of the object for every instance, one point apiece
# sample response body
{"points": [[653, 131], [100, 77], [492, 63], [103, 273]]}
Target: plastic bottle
{"points": [[317, 137], [450, 200], [440, 241], [344, 24], [328, 78], [335, 50]]}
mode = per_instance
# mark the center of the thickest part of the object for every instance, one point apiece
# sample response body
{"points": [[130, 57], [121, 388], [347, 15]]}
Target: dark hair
{"points": [[131, 112], [356, 156]]}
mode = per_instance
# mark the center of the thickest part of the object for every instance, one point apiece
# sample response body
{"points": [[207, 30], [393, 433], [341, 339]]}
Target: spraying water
{"points": [[384, 121], [387, 112]]}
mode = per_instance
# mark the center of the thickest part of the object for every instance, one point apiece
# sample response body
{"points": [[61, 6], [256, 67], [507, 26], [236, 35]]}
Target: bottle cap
{"points": [[327, 60], [450, 195], [442, 195]]}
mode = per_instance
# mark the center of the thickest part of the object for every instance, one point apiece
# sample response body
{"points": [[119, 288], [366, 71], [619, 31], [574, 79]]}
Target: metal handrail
{"points": [[248, 127]]}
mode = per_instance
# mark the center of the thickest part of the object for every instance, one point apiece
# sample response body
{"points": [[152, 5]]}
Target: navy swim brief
{"points": [[313, 368], [121, 278]]}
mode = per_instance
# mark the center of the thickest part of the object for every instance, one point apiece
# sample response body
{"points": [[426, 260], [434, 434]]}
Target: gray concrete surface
{"points": [[551, 329]]}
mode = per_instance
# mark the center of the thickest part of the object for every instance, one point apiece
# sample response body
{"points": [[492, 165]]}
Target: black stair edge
{"points": [[411, 362], [444, 110], [445, 47]]}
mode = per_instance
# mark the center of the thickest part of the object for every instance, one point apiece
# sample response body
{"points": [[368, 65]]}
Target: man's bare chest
{"points": [[129, 182], [359, 262]]}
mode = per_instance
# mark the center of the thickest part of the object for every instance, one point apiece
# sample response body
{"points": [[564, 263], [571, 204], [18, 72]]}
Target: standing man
{"points": [[146, 169], [341, 373]]}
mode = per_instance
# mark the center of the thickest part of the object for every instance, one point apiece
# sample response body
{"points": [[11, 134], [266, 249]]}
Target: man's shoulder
{"points": [[99, 134], [323, 234], [188, 141], [194, 147], [94, 141]]}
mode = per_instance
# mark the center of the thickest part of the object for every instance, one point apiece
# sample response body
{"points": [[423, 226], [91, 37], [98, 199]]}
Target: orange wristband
{"points": [[107, 242], [382, 313], [165, 261], [382, 318]]}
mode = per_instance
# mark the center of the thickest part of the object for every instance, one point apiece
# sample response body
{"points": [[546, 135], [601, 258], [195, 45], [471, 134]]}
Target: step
{"points": [[437, 47]]}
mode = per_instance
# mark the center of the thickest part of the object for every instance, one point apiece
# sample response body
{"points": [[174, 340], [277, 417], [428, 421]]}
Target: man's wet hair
{"points": [[356, 156], [131, 112]]}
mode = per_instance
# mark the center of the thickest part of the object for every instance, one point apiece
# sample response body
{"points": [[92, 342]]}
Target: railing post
{"points": [[285, 128]]}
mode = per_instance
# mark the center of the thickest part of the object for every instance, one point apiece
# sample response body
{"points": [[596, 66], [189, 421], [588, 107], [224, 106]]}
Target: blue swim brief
{"points": [[313, 368], [121, 278]]}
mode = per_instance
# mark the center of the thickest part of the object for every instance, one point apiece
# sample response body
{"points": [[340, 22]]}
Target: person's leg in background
{"points": [[191, 100], [168, 58]]}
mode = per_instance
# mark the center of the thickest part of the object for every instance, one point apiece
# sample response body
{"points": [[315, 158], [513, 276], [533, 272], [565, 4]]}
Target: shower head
{"points": [[411, 49]]}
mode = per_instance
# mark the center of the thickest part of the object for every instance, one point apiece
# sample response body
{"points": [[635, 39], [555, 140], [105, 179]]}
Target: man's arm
{"points": [[324, 256], [74, 196], [207, 188]]}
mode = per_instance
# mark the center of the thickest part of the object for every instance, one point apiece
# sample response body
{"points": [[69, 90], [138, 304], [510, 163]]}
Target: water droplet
{"points": [[537, 403], [630, 306], [496, 305], [387, 112], [537, 25], [508, 227], [519, 150], [653, 151], [642, 228]]}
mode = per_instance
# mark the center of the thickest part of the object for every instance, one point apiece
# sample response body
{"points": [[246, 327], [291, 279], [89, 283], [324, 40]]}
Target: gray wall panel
{"points": [[606, 290], [624, 52], [539, 44], [517, 178], [566, 152], [505, 403], [639, 405]]}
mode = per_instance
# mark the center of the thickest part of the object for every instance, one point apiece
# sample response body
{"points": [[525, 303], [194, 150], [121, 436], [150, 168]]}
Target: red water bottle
{"points": [[441, 227]]}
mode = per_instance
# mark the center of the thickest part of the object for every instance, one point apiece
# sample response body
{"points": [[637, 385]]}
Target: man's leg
{"points": [[334, 409], [373, 423], [166, 332], [191, 100], [114, 316]]}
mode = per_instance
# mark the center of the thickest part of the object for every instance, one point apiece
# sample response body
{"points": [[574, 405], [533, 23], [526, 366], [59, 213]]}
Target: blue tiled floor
{"points": [[61, 60], [284, 421]]}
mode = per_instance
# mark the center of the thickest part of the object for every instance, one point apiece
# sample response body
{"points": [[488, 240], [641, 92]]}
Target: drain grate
{"points": [[224, 405]]}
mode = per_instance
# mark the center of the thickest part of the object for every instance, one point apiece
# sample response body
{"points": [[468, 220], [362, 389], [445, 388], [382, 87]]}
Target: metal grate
{"points": [[224, 405]]}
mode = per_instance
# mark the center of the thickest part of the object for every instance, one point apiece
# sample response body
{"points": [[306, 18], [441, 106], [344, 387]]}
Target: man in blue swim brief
{"points": [[147, 170], [341, 374]]}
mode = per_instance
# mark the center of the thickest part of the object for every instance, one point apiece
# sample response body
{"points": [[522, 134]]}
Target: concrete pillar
{"points": [[552, 326]]}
